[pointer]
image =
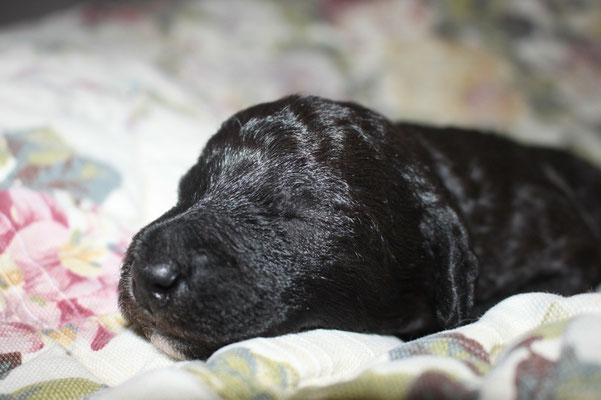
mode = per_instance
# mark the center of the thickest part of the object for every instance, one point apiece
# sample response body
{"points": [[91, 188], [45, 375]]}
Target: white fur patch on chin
{"points": [[163, 344]]}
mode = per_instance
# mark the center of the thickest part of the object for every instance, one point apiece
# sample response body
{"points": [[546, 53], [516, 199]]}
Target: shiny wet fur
{"points": [[307, 213]]}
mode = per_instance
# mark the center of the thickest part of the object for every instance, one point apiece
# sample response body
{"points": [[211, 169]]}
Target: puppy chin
{"points": [[166, 345]]}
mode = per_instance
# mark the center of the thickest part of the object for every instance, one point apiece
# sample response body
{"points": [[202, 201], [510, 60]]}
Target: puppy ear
{"points": [[455, 268]]}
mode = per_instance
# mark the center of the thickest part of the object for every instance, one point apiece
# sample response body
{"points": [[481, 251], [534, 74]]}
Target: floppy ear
{"points": [[455, 268]]}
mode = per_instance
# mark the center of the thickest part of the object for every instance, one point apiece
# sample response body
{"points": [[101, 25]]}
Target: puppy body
{"points": [[307, 213], [533, 215]]}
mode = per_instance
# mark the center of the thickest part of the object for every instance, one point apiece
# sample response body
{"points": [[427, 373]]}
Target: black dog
{"points": [[307, 213]]}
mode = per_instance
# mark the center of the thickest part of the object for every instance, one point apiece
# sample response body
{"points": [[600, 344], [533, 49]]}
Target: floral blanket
{"points": [[103, 107]]}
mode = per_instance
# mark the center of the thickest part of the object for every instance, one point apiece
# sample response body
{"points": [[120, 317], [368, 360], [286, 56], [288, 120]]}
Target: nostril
{"points": [[153, 283]]}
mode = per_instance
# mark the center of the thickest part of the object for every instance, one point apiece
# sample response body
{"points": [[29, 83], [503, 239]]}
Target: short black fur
{"points": [[308, 213]]}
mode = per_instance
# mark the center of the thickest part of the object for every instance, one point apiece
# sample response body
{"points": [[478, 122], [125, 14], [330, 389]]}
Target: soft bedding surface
{"points": [[102, 108]]}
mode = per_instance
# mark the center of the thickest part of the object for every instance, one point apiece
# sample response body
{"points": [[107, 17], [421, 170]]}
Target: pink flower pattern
{"points": [[41, 294]]}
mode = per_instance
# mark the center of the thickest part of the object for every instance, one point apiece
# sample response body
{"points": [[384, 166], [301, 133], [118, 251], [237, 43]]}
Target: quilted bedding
{"points": [[102, 108]]}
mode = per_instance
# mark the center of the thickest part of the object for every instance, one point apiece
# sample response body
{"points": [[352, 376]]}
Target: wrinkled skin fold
{"points": [[307, 213]]}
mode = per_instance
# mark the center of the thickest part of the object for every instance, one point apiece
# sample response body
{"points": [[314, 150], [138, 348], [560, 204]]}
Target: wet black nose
{"points": [[153, 284]]}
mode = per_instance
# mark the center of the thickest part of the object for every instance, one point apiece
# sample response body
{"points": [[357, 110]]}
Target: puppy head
{"points": [[286, 222]]}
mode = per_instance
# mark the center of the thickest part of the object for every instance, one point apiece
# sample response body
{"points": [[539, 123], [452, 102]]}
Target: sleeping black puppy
{"points": [[308, 213]]}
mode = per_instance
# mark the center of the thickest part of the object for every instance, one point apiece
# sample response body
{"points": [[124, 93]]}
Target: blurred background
{"points": [[123, 95]]}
